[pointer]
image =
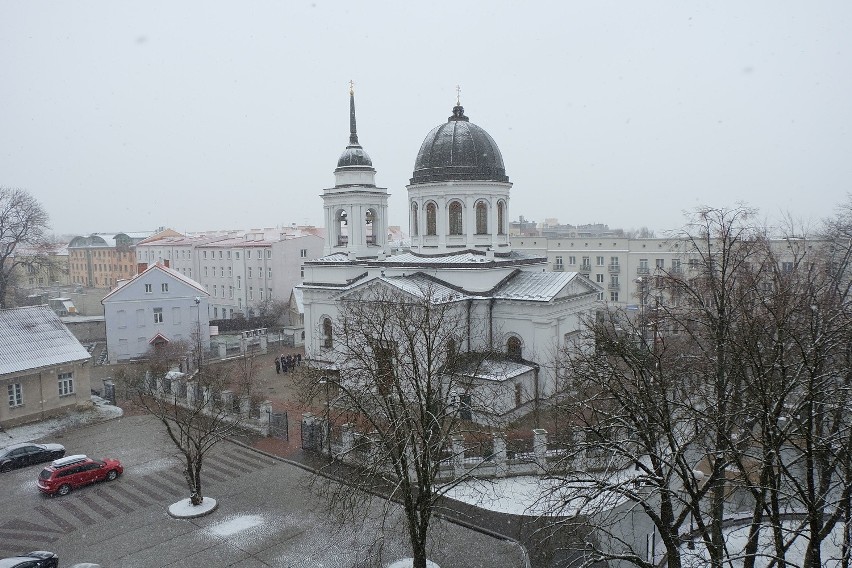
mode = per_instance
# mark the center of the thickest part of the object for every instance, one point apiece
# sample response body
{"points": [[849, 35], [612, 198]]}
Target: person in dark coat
{"points": [[277, 366]]}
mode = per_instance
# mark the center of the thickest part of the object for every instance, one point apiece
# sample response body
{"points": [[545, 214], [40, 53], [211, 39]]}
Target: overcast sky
{"points": [[203, 115]]}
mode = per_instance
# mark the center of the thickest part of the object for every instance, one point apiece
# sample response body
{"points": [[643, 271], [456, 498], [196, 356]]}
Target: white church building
{"points": [[458, 204]]}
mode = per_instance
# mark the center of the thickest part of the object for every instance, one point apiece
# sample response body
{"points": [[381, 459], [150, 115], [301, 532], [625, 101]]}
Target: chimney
{"points": [[141, 267], [166, 263]]}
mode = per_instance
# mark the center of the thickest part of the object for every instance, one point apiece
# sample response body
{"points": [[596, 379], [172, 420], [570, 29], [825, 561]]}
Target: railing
{"points": [[643, 270], [585, 268], [558, 268], [615, 268]]}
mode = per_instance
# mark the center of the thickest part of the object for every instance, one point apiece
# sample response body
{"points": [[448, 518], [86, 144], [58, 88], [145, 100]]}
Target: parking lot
{"points": [[267, 515]]}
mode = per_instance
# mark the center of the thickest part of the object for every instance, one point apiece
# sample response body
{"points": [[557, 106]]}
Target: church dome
{"points": [[458, 151], [354, 155]]}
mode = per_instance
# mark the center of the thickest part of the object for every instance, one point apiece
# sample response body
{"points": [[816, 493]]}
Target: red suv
{"points": [[68, 473]]}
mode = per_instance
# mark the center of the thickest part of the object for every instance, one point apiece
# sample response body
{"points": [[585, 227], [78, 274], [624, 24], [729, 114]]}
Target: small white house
{"points": [[158, 305]]}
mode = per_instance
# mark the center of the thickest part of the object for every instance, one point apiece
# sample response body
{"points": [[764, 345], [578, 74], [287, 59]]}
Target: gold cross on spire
{"points": [[351, 87], [458, 95]]}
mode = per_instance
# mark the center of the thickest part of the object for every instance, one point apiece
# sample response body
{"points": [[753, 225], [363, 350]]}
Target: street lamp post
{"points": [[324, 381]]}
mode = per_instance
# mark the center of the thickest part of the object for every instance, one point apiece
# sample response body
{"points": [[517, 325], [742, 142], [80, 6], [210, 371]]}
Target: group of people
{"points": [[286, 363]]}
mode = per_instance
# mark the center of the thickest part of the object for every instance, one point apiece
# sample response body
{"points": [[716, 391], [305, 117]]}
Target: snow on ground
{"points": [[409, 562], [531, 495], [101, 411], [236, 524], [735, 540]]}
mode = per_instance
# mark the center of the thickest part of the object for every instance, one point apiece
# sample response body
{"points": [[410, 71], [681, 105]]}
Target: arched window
{"points": [[431, 219], [370, 226], [481, 218], [513, 348], [326, 333], [342, 230], [414, 221], [455, 218], [501, 218]]}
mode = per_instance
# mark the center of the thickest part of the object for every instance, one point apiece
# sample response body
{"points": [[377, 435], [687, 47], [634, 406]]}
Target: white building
{"points": [[622, 266], [241, 270], [458, 200], [158, 305]]}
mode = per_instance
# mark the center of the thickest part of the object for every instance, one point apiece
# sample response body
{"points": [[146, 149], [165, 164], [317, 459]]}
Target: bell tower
{"points": [[356, 211]]}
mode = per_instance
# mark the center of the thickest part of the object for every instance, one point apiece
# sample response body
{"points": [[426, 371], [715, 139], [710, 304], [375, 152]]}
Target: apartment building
{"points": [[621, 265], [241, 270], [100, 260]]}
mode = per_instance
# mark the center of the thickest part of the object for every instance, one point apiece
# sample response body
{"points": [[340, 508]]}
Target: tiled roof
{"points": [[534, 286], [34, 337]]}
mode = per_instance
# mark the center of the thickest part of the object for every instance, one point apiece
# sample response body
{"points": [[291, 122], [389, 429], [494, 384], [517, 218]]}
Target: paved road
{"points": [[267, 515]]}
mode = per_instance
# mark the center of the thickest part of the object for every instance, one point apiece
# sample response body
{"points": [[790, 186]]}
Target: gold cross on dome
{"points": [[458, 95]]}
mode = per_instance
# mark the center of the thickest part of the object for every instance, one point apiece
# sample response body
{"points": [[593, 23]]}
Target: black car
{"points": [[35, 559], [21, 455]]}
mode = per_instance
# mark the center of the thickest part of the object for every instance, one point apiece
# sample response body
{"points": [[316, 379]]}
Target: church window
{"points": [[431, 219], [513, 348], [501, 218], [414, 231], [326, 333], [455, 218], [481, 218]]}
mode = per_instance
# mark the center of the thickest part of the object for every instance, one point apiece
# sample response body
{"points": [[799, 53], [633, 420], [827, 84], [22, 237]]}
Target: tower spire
{"points": [[353, 131]]}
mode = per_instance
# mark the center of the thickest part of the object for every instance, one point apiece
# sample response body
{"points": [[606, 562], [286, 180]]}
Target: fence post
{"points": [[540, 447], [458, 455], [347, 439], [499, 448], [243, 345], [228, 401], [265, 417], [190, 394], [245, 406]]}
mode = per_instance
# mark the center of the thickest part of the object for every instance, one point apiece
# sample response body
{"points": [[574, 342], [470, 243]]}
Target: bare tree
{"points": [[404, 389], [23, 224], [196, 410]]}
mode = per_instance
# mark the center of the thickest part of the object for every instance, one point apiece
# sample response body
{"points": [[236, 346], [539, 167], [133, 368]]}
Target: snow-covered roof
{"points": [[535, 286], [419, 285], [461, 259], [34, 337], [498, 369], [170, 271], [299, 298]]}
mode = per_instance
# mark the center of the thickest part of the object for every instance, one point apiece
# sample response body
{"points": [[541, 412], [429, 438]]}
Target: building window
{"points": [[572, 260], [239, 283], [326, 333], [221, 272], [220, 255], [513, 348], [214, 290], [431, 219], [660, 263], [230, 271], [237, 255], [249, 272], [248, 254], [613, 260], [251, 293], [158, 315], [229, 255], [149, 288], [613, 296], [587, 263], [786, 267], [501, 218], [164, 286], [481, 218], [455, 211], [303, 253], [231, 292], [414, 221], [205, 271], [600, 261], [599, 278], [613, 280], [66, 384], [16, 395], [205, 255], [261, 293], [216, 312]]}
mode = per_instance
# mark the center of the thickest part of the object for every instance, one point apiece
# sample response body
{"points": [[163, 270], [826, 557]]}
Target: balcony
{"points": [[586, 267], [643, 270], [615, 268], [613, 286], [558, 267]]}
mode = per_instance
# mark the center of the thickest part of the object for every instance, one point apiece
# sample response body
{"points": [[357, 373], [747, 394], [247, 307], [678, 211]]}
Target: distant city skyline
{"points": [[215, 115]]}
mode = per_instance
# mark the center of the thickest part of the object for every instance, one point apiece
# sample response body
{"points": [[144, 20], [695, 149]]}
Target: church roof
{"points": [[458, 150], [498, 369], [354, 156], [419, 285], [461, 259], [535, 286]]}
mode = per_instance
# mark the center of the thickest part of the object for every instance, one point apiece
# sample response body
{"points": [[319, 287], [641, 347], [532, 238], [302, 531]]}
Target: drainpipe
{"points": [[491, 324], [536, 394]]}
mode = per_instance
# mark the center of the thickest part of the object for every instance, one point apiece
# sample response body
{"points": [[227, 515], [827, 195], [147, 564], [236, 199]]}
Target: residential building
{"points": [[241, 270], [44, 370], [159, 305], [100, 260]]}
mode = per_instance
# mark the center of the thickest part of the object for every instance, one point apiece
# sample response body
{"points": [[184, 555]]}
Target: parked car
{"points": [[21, 455], [71, 472], [35, 559]]}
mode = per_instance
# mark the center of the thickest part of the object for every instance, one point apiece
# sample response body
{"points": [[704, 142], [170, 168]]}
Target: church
{"points": [[458, 207]]}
